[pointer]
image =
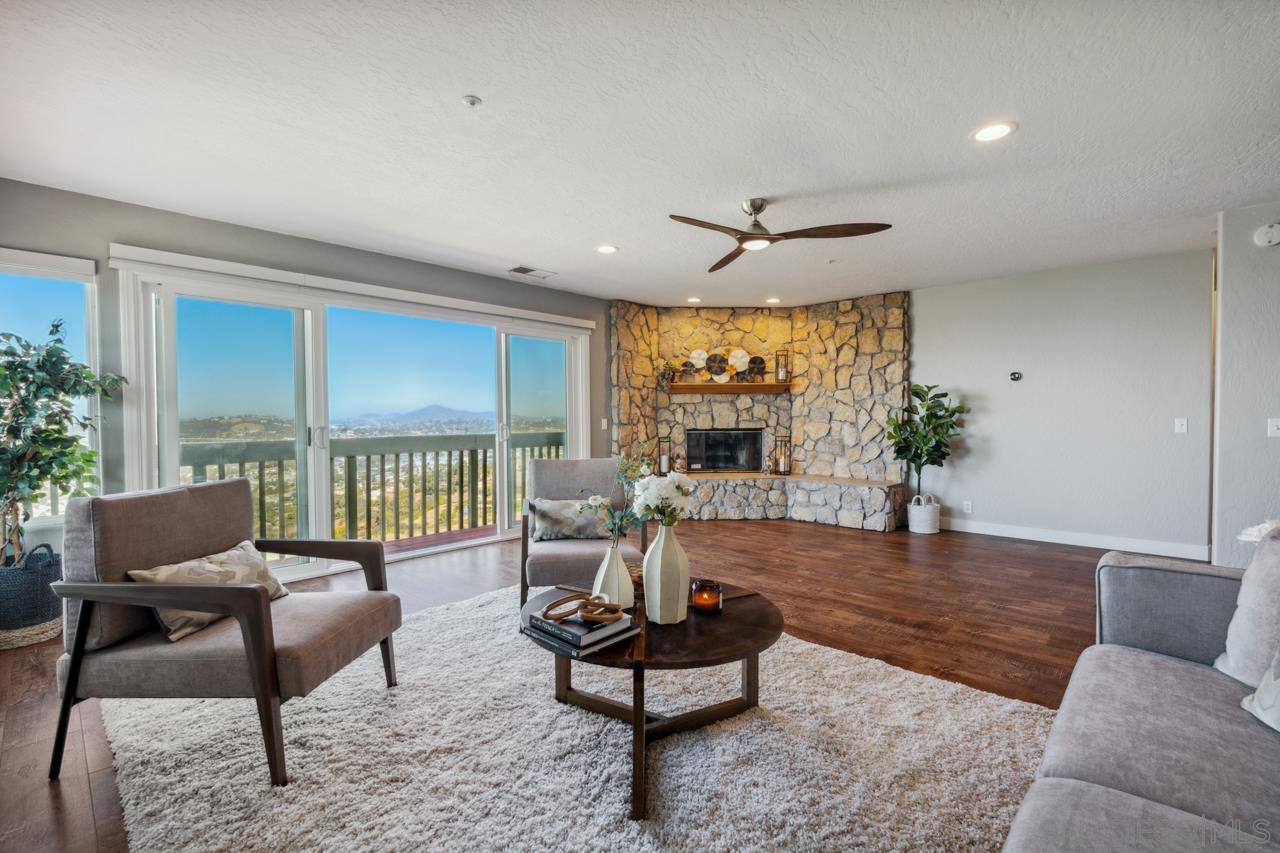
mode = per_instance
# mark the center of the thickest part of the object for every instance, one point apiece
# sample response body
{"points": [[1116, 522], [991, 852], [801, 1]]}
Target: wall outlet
{"points": [[1179, 424], [968, 506], [1273, 427]]}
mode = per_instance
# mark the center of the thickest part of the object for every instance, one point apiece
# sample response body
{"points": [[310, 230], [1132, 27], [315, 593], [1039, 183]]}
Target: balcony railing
{"points": [[392, 488]]}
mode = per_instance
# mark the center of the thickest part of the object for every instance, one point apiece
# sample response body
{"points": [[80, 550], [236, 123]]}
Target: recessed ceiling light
{"points": [[606, 249], [693, 299], [773, 300], [471, 100], [992, 132]]}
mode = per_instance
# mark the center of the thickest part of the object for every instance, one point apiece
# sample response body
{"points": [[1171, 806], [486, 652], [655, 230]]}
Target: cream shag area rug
{"points": [[471, 752]]}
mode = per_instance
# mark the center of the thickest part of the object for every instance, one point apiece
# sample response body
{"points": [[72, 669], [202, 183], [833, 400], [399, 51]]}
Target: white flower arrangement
{"points": [[739, 359], [698, 358], [664, 498], [1258, 531]]}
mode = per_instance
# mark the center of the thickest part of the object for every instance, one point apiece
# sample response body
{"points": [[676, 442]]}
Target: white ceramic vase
{"points": [[666, 579], [613, 581], [924, 514]]}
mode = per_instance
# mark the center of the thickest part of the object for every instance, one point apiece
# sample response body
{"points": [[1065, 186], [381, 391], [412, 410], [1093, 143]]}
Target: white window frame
{"points": [[141, 271], [64, 268]]}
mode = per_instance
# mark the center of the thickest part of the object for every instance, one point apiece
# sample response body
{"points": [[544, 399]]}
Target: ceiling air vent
{"points": [[520, 273]]}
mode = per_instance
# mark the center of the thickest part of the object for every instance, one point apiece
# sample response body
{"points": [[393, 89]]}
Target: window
{"points": [[35, 291]]}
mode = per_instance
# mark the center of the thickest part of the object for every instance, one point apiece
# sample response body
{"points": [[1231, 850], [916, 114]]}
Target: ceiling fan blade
{"points": [[851, 229], [727, 259], [723, 229]]}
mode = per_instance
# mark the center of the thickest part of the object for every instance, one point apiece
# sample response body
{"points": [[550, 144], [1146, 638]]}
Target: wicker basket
{"points": [[29, 611]]}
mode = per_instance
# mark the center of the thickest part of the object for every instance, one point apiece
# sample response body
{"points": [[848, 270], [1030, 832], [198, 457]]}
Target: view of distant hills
{"points": [[433, 412]]}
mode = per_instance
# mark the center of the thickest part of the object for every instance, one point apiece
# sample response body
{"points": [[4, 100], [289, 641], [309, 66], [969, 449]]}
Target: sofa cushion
{"points": [[564, 519], [241, 564], [316, 634], [1254, 633], [1070, 816], [1166, 730], [571, 561], [107, 536]]}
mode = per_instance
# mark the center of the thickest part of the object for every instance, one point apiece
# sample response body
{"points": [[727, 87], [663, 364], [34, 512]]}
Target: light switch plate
{"points": [[1273, 427], [604, 423], [1179, 424]]}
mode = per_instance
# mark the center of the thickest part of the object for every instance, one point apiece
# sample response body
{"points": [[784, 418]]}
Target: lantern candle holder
{"points": [[782, 453], [782, 365], [664, 456], [708, 596]]}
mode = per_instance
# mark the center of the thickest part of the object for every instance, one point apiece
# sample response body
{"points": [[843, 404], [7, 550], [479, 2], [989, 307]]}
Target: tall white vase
{"points": [[613, 581], [666, 579]]}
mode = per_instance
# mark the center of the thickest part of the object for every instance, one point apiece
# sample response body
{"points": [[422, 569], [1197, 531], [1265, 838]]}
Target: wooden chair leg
{"points": [[69, 689], [259, 644], [273, 737], [389, 661]]}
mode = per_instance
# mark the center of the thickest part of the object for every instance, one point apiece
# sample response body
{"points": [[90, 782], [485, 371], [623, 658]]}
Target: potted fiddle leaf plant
{"points": [[42, 447], [922, 437]]}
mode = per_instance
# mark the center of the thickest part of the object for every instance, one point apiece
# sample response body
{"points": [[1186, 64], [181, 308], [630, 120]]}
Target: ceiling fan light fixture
{"points": [[755, 244], [994, 131]]}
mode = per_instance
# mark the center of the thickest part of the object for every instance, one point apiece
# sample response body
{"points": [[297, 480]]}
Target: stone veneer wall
{"points": [[850, 361], [861, 506], [849, 375], [633, 373]]}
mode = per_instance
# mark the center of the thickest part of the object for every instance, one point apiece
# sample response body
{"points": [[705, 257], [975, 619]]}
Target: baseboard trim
{"points": [[1088, 540]]}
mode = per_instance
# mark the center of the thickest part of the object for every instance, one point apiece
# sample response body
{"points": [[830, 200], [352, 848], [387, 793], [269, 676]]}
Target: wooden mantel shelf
{"points": [[730, 388]]}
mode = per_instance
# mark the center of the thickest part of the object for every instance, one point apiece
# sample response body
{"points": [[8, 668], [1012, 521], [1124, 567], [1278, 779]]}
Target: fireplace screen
{"points": [[725, 449]]}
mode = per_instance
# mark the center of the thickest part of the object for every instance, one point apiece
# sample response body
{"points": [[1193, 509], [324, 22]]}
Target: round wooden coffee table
{"points": [[749, 624]]}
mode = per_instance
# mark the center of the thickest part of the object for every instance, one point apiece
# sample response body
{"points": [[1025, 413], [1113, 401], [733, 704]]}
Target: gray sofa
{"points": [[1151, 750]]}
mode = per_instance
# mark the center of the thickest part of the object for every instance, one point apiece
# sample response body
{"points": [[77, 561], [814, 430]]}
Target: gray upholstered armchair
{"points": [[569, 561], [270, 650]]}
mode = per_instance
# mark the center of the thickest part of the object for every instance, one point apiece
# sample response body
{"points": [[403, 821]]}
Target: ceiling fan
{"points": [[757, 237]]}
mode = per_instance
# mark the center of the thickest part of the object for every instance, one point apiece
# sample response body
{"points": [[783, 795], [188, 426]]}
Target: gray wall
{"points": [[1083, 447], [41, 219], [1246, 462]]}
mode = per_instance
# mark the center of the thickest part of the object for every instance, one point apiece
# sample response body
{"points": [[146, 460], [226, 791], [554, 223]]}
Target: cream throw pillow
{"points": [[1265, 703], [241, 564], [554, 519], [1254, 633]]}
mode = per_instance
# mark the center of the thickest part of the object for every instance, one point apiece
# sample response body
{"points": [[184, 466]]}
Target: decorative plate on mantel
{"points": [[730, 388]]}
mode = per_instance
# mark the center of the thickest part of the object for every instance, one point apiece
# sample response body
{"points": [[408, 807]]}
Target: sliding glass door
{"points": [[369, 420], [233, 403], [535, 411], [412, 422]]}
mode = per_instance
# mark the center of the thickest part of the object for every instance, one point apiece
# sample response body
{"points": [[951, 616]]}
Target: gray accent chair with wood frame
{"points": [[270, 651], [569, 561]]}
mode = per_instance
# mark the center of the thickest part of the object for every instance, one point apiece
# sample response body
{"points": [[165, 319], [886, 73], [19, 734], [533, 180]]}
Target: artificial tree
{"points": [[922, 436], [42, 447]]}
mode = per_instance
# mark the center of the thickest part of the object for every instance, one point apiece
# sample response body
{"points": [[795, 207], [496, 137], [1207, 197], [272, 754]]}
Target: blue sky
{"points": [[379, 363], [28, 304], [236, 359]]}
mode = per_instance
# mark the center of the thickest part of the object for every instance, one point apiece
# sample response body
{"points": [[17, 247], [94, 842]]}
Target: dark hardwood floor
{"points": [[1002, 615]]}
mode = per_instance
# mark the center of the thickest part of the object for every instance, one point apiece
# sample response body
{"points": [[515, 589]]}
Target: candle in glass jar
{"points": [[708, 597], [664, 464]]}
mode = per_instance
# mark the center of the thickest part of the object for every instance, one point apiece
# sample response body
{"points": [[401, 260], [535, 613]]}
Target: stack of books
{"points": [[575, 638]]}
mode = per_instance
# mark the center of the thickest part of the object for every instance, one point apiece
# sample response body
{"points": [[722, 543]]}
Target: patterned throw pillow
{"points": [[1265, 703], [561, 520], [241, 564]]}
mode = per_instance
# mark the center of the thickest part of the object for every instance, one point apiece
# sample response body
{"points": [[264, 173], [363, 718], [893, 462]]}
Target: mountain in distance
{"points": [[433, 412]]}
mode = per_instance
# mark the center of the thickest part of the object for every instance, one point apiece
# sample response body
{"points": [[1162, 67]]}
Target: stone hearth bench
{"points": [[859, 504]]}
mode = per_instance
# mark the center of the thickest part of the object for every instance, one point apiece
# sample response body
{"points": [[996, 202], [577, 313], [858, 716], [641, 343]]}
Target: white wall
{"points": [[1246, 462], [1082, 450]]}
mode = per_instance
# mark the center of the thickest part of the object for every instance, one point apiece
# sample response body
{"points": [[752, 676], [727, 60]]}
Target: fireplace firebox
{"points": [[724, 449]]}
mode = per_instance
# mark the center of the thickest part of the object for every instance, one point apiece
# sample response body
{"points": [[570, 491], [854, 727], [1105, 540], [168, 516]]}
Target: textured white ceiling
{"points": [[343, 121]]}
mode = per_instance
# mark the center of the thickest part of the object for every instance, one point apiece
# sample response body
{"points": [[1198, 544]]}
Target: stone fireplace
{"points": [[849, 366]]}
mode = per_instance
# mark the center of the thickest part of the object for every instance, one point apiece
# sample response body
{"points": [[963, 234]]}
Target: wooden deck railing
{"points": [[386, 487]]}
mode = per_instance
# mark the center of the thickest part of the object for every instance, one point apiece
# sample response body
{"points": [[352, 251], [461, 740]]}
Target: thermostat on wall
{"points": [[1268, 235]]}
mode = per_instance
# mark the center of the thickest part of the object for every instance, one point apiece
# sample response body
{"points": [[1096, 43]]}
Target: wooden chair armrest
{"points": [[368, 553], [234, 599]]}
